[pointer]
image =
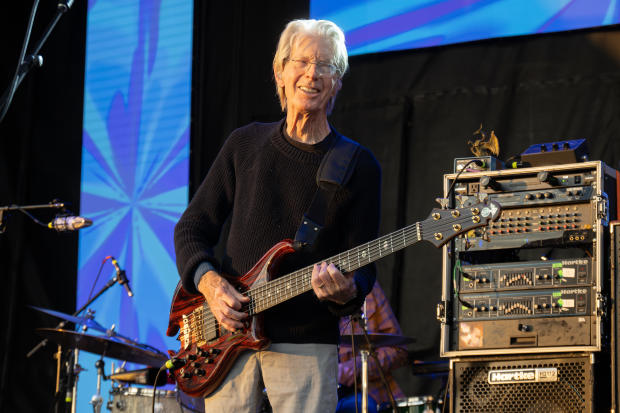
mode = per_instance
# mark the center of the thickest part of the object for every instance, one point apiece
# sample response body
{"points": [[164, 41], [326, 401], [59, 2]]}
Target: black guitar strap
{"points": [[333, 174]]}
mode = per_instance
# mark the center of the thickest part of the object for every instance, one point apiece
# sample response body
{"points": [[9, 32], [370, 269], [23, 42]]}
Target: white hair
{"points": [[324, 29]]}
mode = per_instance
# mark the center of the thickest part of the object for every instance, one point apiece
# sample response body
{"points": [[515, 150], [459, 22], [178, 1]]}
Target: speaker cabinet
{"points": [[547, 383]]}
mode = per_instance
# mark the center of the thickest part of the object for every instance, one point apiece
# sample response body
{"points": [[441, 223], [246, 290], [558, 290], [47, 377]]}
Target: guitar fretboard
{"points": [[290, 285]]}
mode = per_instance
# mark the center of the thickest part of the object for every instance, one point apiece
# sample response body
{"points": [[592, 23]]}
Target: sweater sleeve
{"points": [[362, 225], [199, 228]]}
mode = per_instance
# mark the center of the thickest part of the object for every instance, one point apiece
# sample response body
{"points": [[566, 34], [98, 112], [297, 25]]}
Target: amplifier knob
{"points": [[488, 182], [528, 197], [544, 176], [548, 195]]}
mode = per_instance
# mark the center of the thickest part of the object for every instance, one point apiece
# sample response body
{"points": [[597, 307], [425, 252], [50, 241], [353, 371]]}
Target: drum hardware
{"points": [[133, 399], [104, 346], [367, 342], [430, 367], [145, 376], [417, 404], [97, 400], [129, 351], [376, 340], [87, 321]]}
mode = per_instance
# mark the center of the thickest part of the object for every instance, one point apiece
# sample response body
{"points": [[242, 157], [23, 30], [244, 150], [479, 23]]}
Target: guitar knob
{"points": [[191, 357], [186, 374], [199, 372], [195, 364], [202, 353], [215, 351], [208, 361]]}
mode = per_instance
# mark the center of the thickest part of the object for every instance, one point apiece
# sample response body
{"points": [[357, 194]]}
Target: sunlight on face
{"points": [[305, 89]]}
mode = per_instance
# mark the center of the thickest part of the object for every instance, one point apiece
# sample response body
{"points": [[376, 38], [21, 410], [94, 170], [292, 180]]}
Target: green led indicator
{"points": [[560, 273], [557, 265], [560, 302], [556, 294]]}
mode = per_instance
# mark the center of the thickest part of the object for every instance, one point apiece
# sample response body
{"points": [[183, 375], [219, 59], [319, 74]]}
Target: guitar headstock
{"points": [[444, 224]]}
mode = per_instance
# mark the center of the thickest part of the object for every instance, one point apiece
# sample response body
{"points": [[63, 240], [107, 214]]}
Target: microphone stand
{"points": [[23, 208], [26, 63]]}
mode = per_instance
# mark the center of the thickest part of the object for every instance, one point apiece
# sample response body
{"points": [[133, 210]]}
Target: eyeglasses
{"points": [[322, 68]]}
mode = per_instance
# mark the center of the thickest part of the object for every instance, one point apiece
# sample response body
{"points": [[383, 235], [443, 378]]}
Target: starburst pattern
{"points": [[377, 25], [134, 161]]}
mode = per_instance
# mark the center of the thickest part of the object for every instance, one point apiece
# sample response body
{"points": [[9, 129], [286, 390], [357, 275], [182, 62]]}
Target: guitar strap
{"points": [[333, 174]]}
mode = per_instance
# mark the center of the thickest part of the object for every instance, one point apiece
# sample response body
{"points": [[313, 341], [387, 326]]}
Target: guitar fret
{"points": [[293, 284], [200, 325]]}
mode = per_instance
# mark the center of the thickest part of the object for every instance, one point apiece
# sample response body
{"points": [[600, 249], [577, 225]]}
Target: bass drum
{"points": [[140, 400], [420, 404]]}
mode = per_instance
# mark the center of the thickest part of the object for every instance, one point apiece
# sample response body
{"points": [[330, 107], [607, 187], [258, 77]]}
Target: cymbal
{"points": [[88, 322], [376, 340], [143, 376], [104, 346]]}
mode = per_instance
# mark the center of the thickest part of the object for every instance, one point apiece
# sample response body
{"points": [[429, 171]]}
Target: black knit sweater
{"points": [[265, 182]]}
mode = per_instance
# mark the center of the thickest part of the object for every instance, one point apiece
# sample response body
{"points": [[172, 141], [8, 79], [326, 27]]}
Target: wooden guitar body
{"points": [[209, 351]]}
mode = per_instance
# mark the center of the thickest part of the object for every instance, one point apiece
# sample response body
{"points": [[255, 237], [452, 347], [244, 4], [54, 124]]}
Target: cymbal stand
{"points": [[97, 400], [75, 371], [365, 352], [75, 368], [364, 357], [69, 384]]}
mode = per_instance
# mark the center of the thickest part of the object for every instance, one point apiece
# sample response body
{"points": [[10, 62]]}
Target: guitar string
{"points": [[295, 280], [373, 248], [298, 281], [303, 276]]}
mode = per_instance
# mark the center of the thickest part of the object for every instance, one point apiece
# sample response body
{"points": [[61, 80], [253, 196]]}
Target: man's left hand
{"points": [[330, 284]]}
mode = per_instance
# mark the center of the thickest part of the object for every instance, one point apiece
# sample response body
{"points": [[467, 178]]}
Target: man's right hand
{"points": [[223, 300]]}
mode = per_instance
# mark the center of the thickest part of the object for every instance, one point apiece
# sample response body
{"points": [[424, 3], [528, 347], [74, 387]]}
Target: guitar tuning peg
{"points": [[443, 202], [483, 196]]}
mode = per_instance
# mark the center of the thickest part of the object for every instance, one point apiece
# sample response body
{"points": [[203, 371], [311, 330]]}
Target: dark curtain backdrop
{"points": [[40, 158], [415, 109]]}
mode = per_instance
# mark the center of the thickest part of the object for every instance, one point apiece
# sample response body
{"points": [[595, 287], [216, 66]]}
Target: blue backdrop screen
{"points": [[135, 162], [383, 25]]}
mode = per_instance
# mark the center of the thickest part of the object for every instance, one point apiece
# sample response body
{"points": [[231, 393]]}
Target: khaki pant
{"points": [[297, 378]]}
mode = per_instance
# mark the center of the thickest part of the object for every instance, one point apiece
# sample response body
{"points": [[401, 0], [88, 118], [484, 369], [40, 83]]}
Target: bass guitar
{"points": [[208, 351]]}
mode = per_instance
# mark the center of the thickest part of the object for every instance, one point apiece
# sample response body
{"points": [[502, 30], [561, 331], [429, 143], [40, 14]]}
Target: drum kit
{"points": [[125, 396], [366, 343]]}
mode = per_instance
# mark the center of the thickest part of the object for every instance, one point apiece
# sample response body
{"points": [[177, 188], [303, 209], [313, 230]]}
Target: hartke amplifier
{"points": [[524, 384], [614, 255]]}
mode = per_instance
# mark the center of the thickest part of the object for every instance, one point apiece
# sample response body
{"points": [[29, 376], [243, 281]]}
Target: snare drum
{"points": [[139, 400], [420, 404]]}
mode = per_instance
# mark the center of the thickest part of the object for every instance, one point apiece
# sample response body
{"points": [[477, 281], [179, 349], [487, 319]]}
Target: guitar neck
{"points": [[291, 285]]}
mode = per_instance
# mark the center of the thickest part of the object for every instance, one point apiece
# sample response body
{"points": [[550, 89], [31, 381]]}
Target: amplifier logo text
{"points": [[523, 375]]}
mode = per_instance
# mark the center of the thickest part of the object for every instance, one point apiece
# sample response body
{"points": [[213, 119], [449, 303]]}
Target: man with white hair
{"points": [[264, 179]]}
